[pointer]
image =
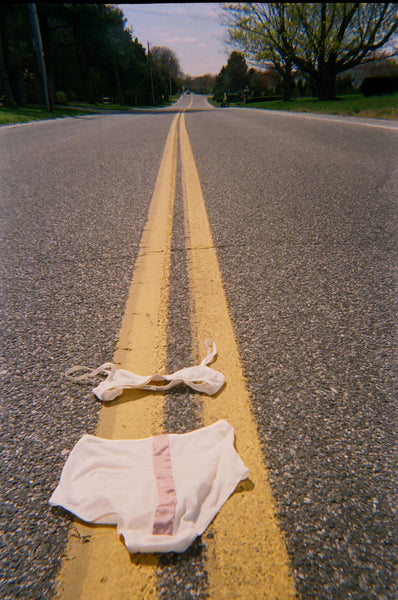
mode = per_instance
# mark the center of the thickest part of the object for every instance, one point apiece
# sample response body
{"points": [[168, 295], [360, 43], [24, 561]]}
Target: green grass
{"points": [[377, 107], [101, 106], [24, 114]]}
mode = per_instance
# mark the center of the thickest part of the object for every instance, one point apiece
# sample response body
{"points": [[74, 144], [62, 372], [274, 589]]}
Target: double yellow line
{"points": [[246, 556]]}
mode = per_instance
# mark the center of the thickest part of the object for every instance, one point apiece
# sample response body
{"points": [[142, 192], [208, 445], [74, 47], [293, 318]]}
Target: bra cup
{"points": [[103, 392], [200, 378], [116, 382]]}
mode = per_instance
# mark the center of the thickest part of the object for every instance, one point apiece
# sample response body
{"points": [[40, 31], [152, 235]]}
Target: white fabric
{"points": [[200, 378], [113, 482]]}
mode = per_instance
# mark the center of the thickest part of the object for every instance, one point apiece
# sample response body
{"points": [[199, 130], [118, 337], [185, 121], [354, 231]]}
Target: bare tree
{"points": [[320, 39], [167, 61], [258, 30]]}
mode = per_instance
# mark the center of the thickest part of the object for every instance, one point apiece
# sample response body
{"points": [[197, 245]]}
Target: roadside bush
{"points": [[262, 99], [61, 98], [377, 86], [238, 98], [234, 97], [344, 85]]}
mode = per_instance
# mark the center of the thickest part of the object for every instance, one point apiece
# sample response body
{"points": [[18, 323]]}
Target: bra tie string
{"points": [[109, 368], [211, 352], [105, 369]]}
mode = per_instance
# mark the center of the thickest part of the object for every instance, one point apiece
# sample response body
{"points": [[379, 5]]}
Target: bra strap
{"points": [[211, 352], [109, 368], [106, 369]]}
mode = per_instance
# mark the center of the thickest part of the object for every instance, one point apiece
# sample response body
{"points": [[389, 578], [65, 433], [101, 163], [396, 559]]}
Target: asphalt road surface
{"points": [[303, 215]]}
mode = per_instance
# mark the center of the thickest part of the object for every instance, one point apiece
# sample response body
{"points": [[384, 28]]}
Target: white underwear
{"points": [[200, 378], [161, 492]]}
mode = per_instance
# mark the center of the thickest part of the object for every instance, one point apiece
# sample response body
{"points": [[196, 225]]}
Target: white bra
{"points": [[200, 378]]}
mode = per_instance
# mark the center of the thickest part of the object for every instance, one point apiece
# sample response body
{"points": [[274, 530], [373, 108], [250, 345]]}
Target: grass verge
{"points": [[375, 107], [24, 114]]}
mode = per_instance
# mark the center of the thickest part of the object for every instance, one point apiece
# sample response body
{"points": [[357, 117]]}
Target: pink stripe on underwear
{"points": [[162, 468]]}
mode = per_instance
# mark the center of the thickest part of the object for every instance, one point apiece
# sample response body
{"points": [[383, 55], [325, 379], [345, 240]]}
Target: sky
{"points": [[192, 30]]}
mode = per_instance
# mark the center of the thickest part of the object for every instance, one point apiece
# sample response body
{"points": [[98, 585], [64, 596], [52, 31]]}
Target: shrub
{"points": [[376, 86], [262, 99], [61, 98], [344, 85], [234, 97]]}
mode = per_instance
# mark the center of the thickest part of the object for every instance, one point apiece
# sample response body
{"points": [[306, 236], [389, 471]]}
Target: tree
{"points": [[8, 99], [167, 60], [88, 49], [168, 69], [341, 36], [320, 39], [221, 84], [99, 42], [17, 51], [202, 84], [263, 82], [237, 71], [233, 77], [258, 30]]}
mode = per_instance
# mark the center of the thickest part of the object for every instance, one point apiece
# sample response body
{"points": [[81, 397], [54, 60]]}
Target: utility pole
{"points": [[39, 53], [150, 70]]}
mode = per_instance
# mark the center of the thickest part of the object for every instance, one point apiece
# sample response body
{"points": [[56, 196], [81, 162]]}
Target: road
{"points": [[302, 216]]}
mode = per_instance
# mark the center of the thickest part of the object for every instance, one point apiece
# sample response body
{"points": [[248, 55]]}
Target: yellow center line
{"points": [[247, 556], [97, 564]]}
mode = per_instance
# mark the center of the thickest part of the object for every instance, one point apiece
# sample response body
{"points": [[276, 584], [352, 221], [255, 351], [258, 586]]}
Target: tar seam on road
{"points": [[181, 576], [247, 556]]}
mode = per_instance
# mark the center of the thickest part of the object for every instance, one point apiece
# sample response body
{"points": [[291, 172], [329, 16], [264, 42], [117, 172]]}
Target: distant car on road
{"points": [[188, 92]]}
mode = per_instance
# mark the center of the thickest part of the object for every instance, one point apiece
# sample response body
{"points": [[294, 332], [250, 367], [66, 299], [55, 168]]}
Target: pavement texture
{"points": [[303, 215], [304, 219], [75, 195]]}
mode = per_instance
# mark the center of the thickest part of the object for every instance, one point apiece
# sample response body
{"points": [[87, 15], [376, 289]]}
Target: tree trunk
{"points": [[118, 81], [288, 85], [326, 83], [49, 60], [288, 82]]}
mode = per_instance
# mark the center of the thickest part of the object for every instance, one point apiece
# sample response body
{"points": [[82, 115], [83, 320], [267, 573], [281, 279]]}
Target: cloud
{"points": [[185, 10], [188, 40], [192, 30]]}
